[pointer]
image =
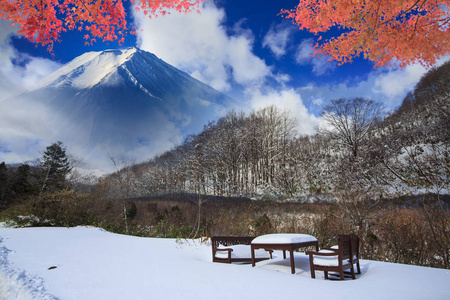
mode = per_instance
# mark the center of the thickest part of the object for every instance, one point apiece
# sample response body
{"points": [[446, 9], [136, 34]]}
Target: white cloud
{"points": [[6, 30], [318, 101], [22, 133], [6, 52], [286, 100], [320, 65], [19, 71], [397, 82], [277, 39], [28, 125], [203, 47], [26, 128], [388, 85], [393, 83]]}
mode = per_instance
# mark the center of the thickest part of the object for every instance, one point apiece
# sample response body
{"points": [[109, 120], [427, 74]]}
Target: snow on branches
{"points": [[405, 31]]}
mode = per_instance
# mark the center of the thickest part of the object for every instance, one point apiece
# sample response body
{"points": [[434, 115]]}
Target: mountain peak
{"points": [[126, 102], [89, 69]]}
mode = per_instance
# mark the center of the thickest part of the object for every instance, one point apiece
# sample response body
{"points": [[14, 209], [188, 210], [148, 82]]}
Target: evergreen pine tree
{"points": [[4, 185], [22, 181], [55, 167]]}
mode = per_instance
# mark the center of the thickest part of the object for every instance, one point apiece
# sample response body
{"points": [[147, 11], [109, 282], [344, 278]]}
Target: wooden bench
{"points": [[337, 258], [228, 249]]}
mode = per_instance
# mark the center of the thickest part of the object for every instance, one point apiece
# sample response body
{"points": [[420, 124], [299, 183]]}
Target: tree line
{"points": [[362, 148]]}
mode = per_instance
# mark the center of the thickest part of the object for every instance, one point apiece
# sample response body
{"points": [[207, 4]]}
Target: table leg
{"points": [[284, 254], [291, 253], [253, 256]]}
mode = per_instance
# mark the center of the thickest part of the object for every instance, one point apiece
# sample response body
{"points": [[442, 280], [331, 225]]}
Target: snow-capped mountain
{"points": [[116, 103]]}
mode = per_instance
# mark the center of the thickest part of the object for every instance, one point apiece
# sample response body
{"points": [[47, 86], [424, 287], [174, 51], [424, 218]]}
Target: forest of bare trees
{"points": [[260, 155]]}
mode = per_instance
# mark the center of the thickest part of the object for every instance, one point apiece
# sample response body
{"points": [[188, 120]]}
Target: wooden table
{"points": [[286, 242]]}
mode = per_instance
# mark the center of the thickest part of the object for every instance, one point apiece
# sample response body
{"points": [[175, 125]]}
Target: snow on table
{"points": [[284, 238]]}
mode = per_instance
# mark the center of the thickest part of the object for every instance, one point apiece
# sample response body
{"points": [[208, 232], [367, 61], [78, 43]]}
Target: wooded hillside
{"points": [[361, 151]]}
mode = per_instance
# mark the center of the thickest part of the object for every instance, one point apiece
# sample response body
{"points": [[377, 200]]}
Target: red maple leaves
{"points": [[43, 21], [383, 31]]}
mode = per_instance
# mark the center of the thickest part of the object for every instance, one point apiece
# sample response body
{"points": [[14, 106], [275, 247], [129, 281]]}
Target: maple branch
{"points": [[445, 22], [85, 7], [415, 28], [42, 14], [376, 18], [405, 12], [418, 16]]}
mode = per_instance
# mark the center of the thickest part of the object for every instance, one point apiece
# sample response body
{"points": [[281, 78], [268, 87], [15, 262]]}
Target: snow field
{"points": [[94, 264]]}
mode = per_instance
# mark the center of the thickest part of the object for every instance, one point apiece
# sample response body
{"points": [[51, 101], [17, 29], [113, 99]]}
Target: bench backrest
{"points": [[345, 246], [355, 245], [349, 243], [230, 240]]}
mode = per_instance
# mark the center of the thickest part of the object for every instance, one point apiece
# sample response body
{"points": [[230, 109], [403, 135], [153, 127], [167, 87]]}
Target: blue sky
{"points": [[242, 48]]}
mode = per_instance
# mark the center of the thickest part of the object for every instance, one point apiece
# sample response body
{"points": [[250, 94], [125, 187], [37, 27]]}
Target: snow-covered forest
{"points": [[359, 148]]}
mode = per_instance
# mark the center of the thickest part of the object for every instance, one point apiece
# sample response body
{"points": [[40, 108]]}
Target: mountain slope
{"points": [[115, 103]]}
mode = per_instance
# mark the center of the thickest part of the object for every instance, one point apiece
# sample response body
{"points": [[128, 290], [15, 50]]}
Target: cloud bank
{"points": [[224, 57], [287, 100], [19, 71], [386, 85], [22, 130], [202, 46]]}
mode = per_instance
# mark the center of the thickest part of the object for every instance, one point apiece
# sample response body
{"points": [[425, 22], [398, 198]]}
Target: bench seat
{"points": [[228, 249]]}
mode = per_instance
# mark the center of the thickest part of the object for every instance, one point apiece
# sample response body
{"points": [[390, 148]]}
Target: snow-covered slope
{"points": [[90, 263], [115, 102], [88, 69]]}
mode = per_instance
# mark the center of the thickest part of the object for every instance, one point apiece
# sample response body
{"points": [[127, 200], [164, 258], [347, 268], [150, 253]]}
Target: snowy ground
{"points": [[90, 263]]}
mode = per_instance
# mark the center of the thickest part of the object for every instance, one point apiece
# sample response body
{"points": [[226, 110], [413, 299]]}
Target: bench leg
{"points": [[311, 266], [353, 272], [341, 274]]}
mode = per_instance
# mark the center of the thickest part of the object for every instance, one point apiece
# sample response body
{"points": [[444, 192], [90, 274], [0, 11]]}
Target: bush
{"points": [[418, 236]]}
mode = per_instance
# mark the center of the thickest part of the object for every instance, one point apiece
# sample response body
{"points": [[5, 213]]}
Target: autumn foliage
{"points": [[383, 31], [43, 21]]}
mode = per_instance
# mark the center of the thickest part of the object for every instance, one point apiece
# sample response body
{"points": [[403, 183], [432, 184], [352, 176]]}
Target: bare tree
{"points": [[287, 172], [199, 173], [125, 182], [351, 120]]}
